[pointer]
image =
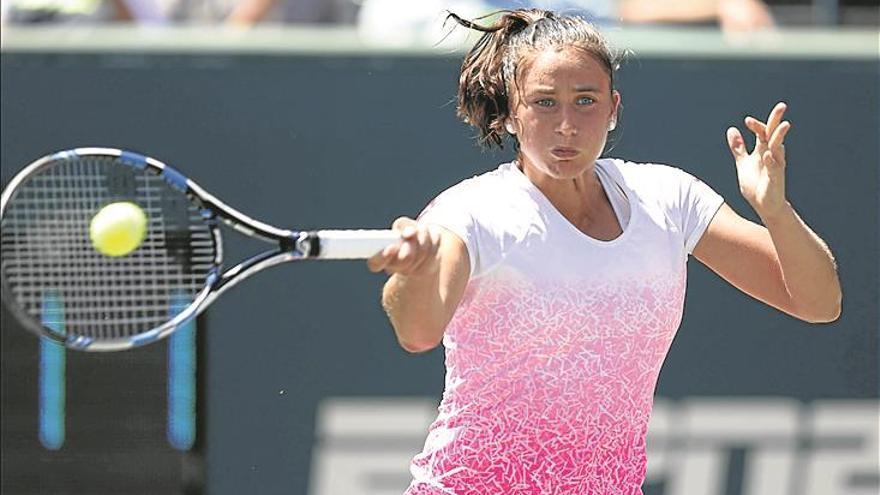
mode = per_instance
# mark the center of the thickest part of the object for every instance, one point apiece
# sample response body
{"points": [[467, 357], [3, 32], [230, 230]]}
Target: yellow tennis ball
{"points": [[118, 228]]}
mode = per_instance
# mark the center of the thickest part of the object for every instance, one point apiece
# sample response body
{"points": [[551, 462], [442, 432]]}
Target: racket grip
{"points": [[353, 244]]}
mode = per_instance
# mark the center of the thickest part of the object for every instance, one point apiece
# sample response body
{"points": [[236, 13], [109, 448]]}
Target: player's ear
{"points": [[511, 125], [508, 126], [615, 109]]}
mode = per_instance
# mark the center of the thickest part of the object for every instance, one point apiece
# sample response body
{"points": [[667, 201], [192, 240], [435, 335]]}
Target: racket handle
{"points": [[353, 244]]}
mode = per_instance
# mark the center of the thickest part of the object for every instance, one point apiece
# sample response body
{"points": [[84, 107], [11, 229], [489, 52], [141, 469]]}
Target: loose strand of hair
{"points": [[482, 98]]}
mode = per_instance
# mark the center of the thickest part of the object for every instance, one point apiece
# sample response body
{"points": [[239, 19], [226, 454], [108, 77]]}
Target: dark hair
{"points": [[492, 65]]}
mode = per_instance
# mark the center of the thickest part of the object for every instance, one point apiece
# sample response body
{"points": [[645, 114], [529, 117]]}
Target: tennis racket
{"points": [[59, 286]]}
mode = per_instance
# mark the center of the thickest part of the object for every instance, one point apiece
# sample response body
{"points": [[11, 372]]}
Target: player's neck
{"points": [[575, 198]]}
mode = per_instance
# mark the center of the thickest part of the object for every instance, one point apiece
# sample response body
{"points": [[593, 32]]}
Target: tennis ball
{"points": [[118, 228]]}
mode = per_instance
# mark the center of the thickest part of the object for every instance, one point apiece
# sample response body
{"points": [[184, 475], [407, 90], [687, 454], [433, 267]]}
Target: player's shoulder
{"points": [[641, 171], [481, 186], [497, 200], [647, 179]]}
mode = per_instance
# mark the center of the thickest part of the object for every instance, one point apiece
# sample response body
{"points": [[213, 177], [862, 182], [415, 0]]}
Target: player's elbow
{"points": [[829, 317], [418, 346], [417, 332], [823, 313], [820, 319], [418, 337]]}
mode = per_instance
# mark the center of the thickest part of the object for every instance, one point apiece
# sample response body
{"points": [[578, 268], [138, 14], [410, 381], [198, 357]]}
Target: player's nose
{"points": [[567, 125]]}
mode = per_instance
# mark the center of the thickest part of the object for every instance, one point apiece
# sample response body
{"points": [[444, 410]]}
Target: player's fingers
{"points": [[770, 159], [401, 223], [777, 148], [758, 128], [381, 260], [387, 258], [736, 143], [412, 251], [418, 245], [376, 263], [775, 117], [423, 240], [405, 253], [779, 135], [428, 246], [400, 263], [435, 238]]}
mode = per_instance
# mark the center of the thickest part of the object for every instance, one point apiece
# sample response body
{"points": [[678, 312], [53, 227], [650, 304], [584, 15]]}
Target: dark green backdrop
{"points": [[354, 141]]}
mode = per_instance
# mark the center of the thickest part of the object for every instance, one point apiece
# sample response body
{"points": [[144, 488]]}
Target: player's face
{"points": [[561, 110]]}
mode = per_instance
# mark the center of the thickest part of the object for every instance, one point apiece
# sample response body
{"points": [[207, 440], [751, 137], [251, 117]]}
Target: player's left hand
{"points": [[761, 173]]}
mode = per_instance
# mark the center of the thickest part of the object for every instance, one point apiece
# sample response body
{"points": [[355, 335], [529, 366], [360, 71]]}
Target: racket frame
{"points": [[291, 246]]}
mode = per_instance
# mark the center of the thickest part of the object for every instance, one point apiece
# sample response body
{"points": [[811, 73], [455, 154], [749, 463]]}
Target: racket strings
{"points": [[46, 249]]}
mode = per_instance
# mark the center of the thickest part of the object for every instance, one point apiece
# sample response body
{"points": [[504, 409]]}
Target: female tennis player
{"points": [[556, 282]]}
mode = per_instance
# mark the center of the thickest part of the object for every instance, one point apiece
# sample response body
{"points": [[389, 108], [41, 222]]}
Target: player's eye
{"points": [[585, 100], [545, 102]]}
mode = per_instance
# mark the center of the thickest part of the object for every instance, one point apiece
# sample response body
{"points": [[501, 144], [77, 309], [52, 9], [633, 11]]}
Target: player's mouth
{"points": [[564, 153]]}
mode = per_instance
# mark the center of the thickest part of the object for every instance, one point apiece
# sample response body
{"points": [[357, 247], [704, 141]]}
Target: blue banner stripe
{"points": [[52, 380], [182, 380]]}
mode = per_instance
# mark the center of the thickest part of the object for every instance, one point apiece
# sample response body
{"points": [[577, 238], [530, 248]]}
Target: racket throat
{"points": [[301, 244]]}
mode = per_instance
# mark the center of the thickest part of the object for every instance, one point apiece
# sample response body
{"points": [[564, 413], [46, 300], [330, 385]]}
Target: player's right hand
{"points": [[415, 255]]}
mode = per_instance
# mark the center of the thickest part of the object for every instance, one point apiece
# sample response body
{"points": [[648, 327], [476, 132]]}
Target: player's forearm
{"points": [[415, 308], [808, 266]]}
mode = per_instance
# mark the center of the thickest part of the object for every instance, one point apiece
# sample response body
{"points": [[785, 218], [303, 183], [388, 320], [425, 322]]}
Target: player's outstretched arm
{"points": [[782, 263], [429, 271]]}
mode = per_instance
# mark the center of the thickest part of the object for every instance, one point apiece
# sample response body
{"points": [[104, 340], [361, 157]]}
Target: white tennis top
{"points": [[553, 354]]}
